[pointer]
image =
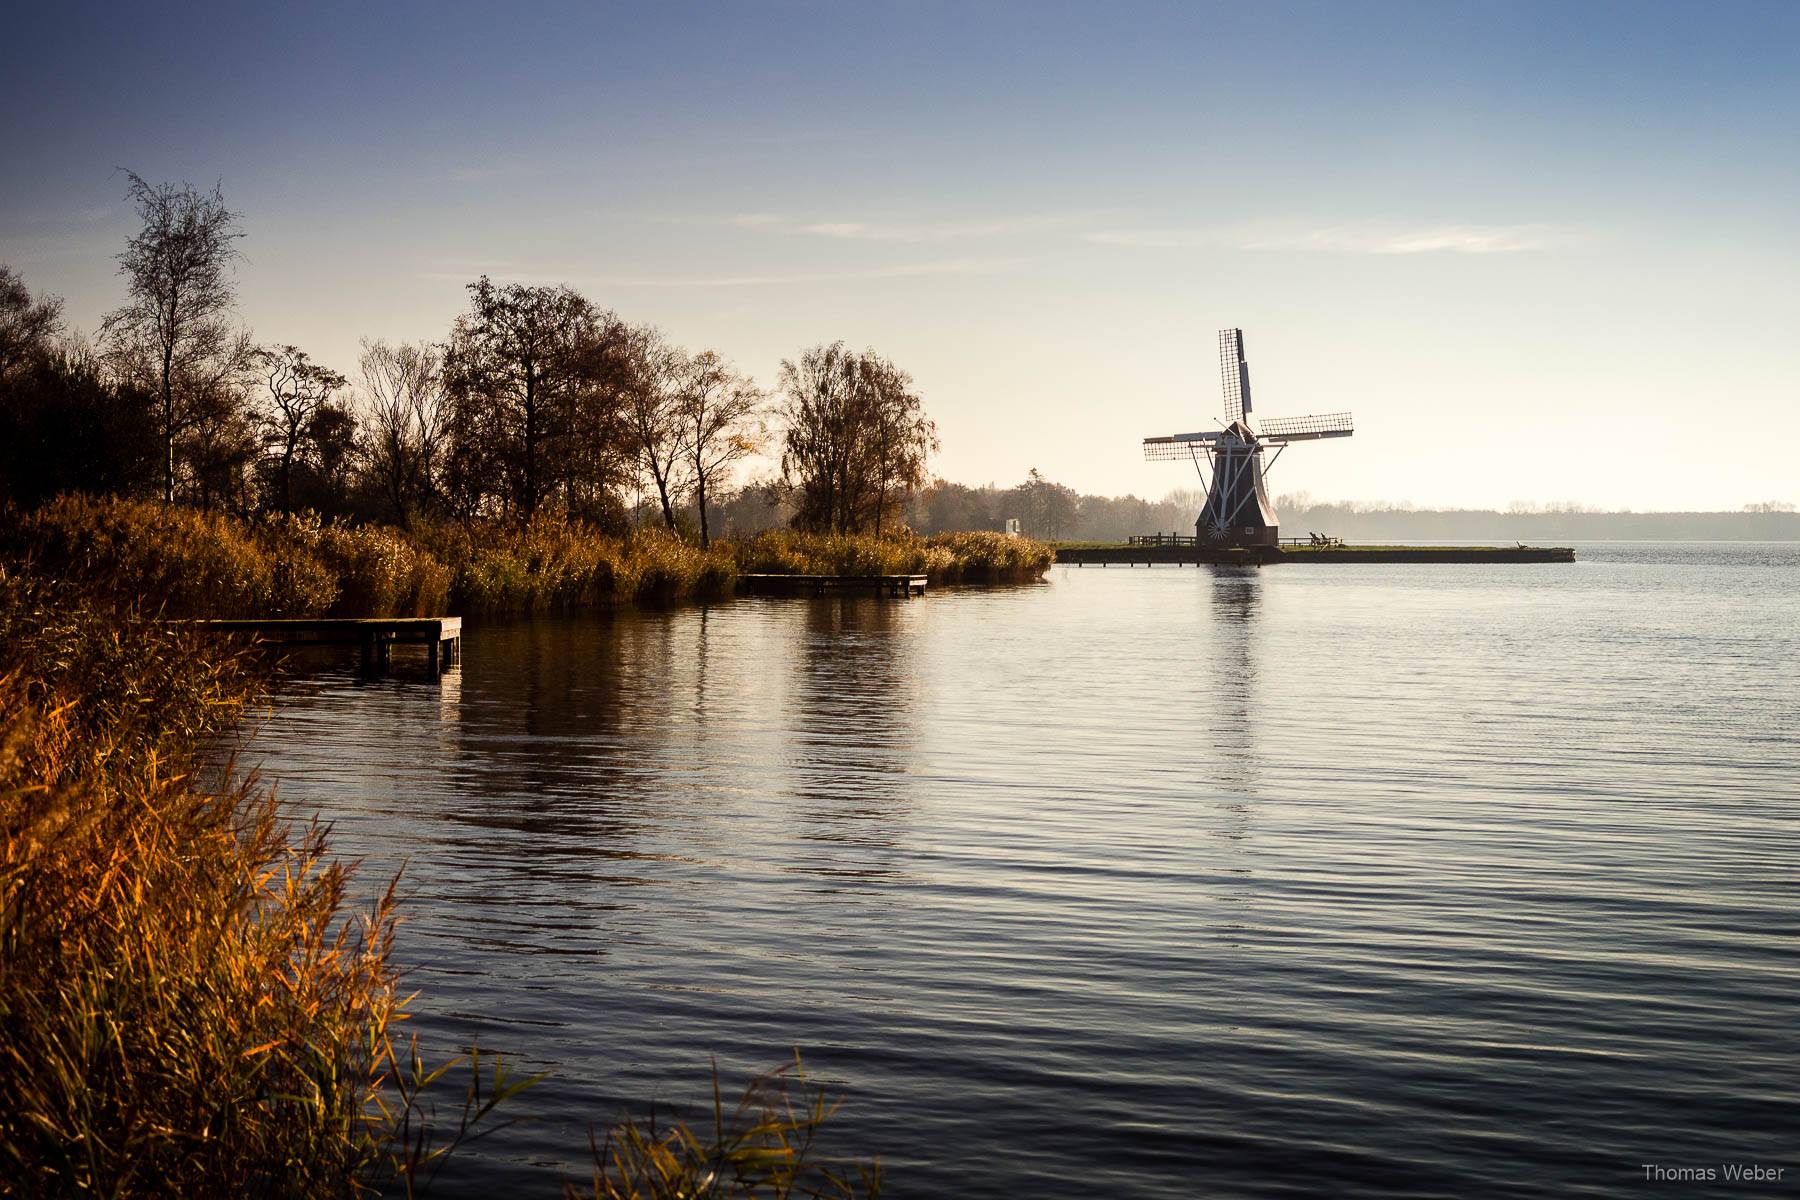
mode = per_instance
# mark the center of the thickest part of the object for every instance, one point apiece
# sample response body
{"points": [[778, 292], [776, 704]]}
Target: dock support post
{"points": [[431, 655]]}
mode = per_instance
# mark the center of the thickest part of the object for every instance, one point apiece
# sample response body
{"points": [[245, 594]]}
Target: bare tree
{"points": [[901, 438], [27, 330], [174, 327], [651, 417], [295, 391], [721, 413], [406, 424]]}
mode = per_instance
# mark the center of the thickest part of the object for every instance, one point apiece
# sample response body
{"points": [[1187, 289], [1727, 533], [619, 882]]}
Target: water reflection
{"points": [[853, 713], [1230, 739]]}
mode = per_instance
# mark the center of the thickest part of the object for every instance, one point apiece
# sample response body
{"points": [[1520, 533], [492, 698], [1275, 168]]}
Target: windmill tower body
{"points": [[1231, 461]]}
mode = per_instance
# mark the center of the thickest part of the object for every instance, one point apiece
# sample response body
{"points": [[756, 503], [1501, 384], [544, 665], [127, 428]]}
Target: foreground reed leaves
{"points": [[763, 1147], [189, 1002]]}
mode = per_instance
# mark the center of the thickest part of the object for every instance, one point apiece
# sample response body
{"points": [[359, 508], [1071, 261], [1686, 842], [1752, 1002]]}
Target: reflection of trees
{"points": [[681, 733], [1231, 668], [550, 738], [853, 713]]}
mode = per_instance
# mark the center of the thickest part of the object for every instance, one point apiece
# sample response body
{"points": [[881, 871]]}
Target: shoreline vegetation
{"points": [[190, 563]]}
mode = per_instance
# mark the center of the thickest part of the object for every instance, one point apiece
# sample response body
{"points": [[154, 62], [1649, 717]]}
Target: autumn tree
{"points": [[532, 375], [174, 331], [405, 424], [295, 394], [856, 439], [721, 418]]}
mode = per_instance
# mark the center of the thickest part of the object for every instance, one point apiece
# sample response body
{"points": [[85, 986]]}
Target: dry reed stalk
{"points": [[763, 1147], [189, 1003]]}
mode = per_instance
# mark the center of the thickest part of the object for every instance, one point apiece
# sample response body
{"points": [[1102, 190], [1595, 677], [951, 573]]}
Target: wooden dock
{"points": [[441, 636], [898, 586]]}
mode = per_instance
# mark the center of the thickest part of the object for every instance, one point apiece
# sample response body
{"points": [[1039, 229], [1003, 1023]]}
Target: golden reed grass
{"points": [[189, 1003], [195, 564]]}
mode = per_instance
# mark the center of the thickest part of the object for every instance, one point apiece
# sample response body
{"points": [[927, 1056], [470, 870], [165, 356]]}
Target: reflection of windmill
{"points": [[1230, 460]]}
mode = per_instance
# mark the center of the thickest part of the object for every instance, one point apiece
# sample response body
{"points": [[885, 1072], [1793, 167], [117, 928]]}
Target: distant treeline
{"points": [[1053, 512]]}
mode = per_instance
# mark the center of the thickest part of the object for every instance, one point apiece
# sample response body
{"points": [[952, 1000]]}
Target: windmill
{"points": [[1230, 460]]}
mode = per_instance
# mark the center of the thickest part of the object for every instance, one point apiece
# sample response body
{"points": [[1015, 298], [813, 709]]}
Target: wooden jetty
{"points": [[441, 636], [1151, 554], [901, 586]]}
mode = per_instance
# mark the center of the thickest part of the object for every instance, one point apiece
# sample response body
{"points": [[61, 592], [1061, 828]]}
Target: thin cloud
{"points": [[953, 266], [1344, 239], [887, 231], [939, 231]]}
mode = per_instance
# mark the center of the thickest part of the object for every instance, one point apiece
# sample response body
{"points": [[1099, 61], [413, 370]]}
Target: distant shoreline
{"points": [[1466, 525]]}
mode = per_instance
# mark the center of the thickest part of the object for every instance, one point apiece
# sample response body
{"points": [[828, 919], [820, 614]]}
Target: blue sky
{"points": [[1543, 252]]}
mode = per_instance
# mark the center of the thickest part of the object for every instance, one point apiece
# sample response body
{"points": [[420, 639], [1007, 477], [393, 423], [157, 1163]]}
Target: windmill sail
{"points": [[1234, 373], [1306, 429], [1181, 445]]}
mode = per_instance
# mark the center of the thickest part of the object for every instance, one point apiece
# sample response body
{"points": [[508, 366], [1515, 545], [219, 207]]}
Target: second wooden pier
{"points": [[817, 585]]}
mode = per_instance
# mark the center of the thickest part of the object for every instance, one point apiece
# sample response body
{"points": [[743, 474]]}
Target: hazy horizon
{"points": [[1541, 252]]}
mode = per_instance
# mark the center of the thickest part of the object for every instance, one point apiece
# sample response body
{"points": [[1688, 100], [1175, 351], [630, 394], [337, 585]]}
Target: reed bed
{"points": [[198, 564], [190, 1003], [554, 564], [945, 557], [186, 1006]]}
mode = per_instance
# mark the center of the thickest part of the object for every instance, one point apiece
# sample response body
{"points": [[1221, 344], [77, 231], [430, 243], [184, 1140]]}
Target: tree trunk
{"points": [[168, 392], [700, 495], [528, 501], [662, 494]]}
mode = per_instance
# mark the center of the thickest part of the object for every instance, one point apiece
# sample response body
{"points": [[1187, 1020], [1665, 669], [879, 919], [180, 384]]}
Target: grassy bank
{"points": [[196, 564]]}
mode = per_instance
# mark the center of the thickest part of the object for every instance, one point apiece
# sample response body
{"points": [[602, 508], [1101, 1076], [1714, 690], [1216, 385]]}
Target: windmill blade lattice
{"points": [[1234, 373]]}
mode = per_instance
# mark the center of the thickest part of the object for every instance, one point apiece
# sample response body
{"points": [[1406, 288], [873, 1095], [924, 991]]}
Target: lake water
{"points": [[1303, 880]]}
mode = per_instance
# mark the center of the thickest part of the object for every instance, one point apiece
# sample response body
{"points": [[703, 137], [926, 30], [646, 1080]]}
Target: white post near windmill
{"points": [[1230, 460]]}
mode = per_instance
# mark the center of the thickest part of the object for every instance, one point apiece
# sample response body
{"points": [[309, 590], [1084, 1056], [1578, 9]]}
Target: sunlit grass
{"points": [[766, 1145], [945, 558], [195, 564]]}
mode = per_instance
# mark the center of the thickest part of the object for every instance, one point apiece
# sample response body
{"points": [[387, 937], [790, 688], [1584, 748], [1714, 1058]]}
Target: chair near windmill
{"points": [[1230, 460]]}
